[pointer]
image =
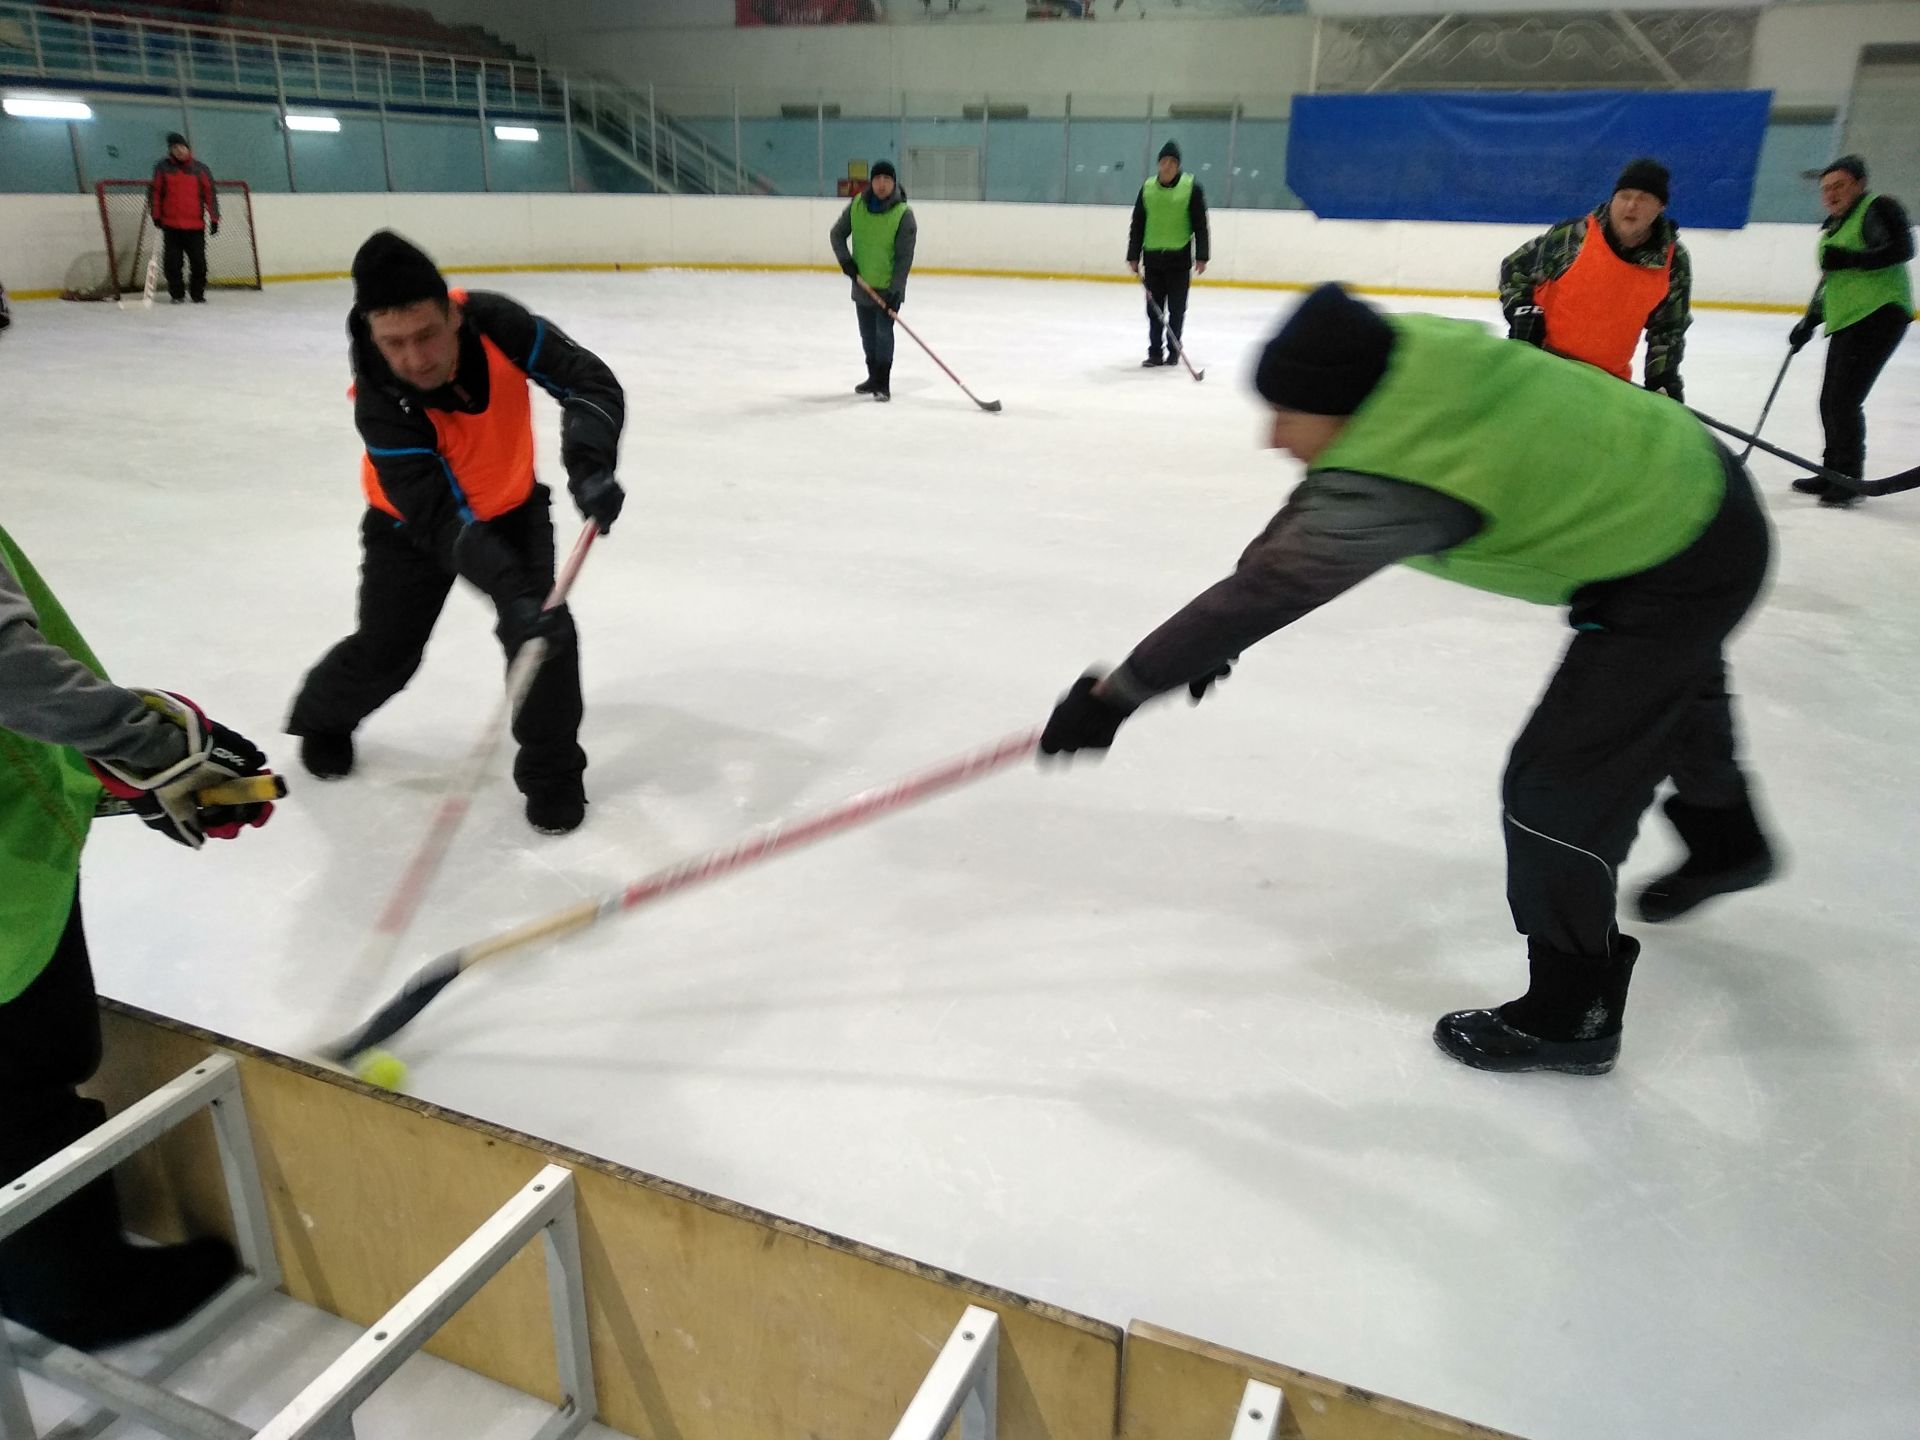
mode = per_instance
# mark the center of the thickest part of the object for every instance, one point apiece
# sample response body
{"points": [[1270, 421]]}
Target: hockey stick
{"points": [[1174, 342], [1767, 408], [1887, 485], [762, 844], [894, 315], [404, 903]]}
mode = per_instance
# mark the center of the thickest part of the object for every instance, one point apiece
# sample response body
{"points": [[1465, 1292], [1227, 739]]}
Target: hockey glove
{"points": [[1198, 686], [213, 229], [850, 270], [1801, 333], [599, 498], [1082, 720], [1528, 323], [526, 618], [165, 801], [893, 299], [1834, 258], [1668, 385]]}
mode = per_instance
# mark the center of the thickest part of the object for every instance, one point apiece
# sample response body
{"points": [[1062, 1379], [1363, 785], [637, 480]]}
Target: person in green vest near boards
{"points": [[873, 240], [1432, 443], [69, 739], [1168, 236], [1866, 301]]}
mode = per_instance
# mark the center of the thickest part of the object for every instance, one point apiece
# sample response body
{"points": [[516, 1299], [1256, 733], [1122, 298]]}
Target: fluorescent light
{"points": [[325, 124], [515, 132], [43, 107]]}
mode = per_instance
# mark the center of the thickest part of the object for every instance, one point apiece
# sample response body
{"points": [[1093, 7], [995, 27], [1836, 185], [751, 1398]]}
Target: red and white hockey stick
{"points": [[761, 844]]}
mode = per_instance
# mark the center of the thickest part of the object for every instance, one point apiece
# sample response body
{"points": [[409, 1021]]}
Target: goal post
{"points": [[132, 240]]}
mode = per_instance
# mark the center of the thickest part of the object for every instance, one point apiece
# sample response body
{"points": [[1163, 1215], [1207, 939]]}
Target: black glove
{"points": [[1528, 323], [893, 299], [1668, 385], [214, 228], [167, 800], [1834, 258], [1801, 333], [526, 618], [599, 498], [1082, 720], [850, 270], [1198, 686]]}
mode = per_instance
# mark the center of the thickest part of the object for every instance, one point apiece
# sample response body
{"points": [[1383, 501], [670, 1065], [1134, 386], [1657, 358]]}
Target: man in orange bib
{"points": [[441, 401], [1589, 286]]}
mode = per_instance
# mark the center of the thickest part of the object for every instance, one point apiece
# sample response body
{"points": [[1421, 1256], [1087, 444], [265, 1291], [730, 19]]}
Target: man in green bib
{"points": [[68, 737], [880, 228], [1431, 443], [1866, 300], [1168, 236]]}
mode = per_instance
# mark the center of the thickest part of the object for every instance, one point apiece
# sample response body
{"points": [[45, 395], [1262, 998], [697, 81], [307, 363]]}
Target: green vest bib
{"points": [[47, 796], [1578, 476], [1169, 222], [873, 240], [1849, 296]]}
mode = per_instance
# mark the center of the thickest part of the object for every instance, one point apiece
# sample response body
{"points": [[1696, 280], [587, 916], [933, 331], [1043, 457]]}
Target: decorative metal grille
{"points": [[1601, 49]]}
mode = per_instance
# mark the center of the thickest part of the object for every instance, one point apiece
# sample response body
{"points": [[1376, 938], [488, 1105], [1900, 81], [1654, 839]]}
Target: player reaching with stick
{"points": [[441, 401]]}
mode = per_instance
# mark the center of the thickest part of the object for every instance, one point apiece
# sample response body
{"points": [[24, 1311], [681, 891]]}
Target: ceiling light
{"points": [[515, 132], [323, 124], [45, 107]]}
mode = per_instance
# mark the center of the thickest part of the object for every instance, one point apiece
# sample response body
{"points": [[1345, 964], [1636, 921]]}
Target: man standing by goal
{"points": [[186, 209], [441, 402]]}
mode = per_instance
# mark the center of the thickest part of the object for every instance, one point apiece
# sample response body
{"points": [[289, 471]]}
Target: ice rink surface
{"points": [[1149, 1037]]}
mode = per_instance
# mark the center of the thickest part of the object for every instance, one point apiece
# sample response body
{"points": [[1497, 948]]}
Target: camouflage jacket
{"points": [[1549, 256]]}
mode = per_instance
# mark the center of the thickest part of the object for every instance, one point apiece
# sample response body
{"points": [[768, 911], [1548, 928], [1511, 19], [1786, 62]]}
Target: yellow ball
{"points": [[382, 1068]]}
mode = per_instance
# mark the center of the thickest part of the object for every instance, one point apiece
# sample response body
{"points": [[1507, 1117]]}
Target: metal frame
{"points": [[544, 1207], [213, 1086], [1259, 1415], [964, 1383]]}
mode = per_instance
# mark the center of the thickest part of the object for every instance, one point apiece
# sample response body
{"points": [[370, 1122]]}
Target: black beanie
{"points": [[174, 137], [1852, 164], [1169, 151], [1644, 174], [1328, 356], [883, 167], [389, 272]]}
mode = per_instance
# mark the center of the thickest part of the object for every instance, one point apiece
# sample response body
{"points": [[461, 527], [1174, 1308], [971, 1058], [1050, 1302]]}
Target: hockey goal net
{"points": [[132, 241]]}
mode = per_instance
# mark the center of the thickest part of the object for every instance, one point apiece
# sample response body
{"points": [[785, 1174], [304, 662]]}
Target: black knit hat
{"points": [[1852, 164], [1169, 151], [389, 272], [174, 137], [1327, 357], [883, 167], [1645, 174]]}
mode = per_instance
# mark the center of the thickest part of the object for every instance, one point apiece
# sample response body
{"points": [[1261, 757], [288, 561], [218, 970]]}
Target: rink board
{"points": [[708, 1320]]}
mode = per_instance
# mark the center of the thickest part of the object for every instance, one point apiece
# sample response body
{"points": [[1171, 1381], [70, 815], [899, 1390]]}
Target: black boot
{"points": [[1725, 852], [1569, 1019], [1153, 361], [870, 384], [72, 1276], [327, 757], [558, 807], [883, 382], [1810, 485]]}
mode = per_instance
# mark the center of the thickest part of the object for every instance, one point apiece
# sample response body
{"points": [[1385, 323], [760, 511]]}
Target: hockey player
{"points": [[186, 209], [1588, 287], [1431, 443], [1865, 300], [1168, 234], [442, 404], [67, 736], [874, 240]]}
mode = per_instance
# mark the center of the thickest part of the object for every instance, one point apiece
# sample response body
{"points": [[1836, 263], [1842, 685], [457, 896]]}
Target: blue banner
{"points": [[1522, 158]]}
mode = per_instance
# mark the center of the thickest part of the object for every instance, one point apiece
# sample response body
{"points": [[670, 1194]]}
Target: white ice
{"points": [[1146, 1038]]}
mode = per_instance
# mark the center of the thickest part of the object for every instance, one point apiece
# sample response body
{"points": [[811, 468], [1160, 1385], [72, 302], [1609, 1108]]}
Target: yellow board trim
{"points": [[1758, 307]]}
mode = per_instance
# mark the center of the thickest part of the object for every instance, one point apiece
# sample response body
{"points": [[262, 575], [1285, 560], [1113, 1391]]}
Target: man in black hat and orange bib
{"points": [[441, 401], [1589, 287]]}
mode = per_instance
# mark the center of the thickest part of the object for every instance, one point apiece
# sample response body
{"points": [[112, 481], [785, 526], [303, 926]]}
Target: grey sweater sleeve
{"points": [[46, 694], [1336, 529], [838, 236], [904, 242]]}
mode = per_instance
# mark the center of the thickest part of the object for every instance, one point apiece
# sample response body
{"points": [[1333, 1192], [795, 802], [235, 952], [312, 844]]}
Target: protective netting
{"points": [[132, 241]]}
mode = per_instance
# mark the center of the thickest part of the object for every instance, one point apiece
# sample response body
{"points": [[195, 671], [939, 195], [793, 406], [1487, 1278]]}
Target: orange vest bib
{"points": [[488, 457], [1596, 311]]}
